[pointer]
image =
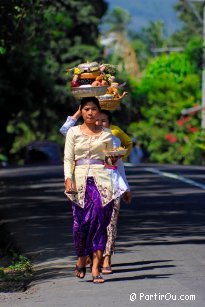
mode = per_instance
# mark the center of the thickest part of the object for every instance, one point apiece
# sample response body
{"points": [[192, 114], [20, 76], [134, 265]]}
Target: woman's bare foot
{"points": [[106, 267], [80, 268], [97, 278], [107, 261]]}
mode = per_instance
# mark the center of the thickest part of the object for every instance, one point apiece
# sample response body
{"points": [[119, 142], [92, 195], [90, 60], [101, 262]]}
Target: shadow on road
{"points": [[162, 213]]}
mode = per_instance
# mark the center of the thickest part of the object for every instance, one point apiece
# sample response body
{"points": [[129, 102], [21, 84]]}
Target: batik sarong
{"points": [[112, 229], [90, 223]]}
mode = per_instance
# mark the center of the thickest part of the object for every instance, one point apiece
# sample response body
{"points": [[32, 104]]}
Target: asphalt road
{"points": [[160, 254]]}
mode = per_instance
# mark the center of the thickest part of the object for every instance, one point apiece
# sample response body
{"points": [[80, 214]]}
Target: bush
{"points": [[168, 85]]}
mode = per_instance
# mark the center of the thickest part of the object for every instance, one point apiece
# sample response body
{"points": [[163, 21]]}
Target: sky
{"points": [[144, 11]]}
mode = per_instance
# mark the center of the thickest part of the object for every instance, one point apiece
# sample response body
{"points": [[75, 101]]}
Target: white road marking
{"points": [[174, 176]]}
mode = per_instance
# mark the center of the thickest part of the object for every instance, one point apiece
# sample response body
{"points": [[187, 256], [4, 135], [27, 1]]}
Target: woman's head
{"points": [[104, 118], [94, 100], [90, 109]]}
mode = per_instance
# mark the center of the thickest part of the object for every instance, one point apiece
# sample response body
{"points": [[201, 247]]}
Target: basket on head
{"points": [[110, 104], [80, 92]]}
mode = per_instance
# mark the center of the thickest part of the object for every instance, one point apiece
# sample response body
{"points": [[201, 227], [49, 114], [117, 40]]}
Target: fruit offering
{"points": [[92, 74], [112, 93], [117, 151]]}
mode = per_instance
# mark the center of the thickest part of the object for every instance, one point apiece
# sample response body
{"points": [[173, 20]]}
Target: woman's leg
{"points": [[97, 256], [111, 233], [80, 268], [99, 218], [90, 228], [79, 235]]}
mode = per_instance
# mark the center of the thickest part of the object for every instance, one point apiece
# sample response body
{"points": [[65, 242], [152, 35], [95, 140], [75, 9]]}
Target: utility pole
{"points": [[167, 50], [203, 60], [203, 72]]}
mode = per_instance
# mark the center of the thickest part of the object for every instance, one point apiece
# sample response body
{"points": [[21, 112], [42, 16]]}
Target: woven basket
{"points": [[80, 92], [110, 104]]}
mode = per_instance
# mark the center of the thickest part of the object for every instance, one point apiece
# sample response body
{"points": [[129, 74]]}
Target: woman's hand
{"points": [[77, 114], [113, 159], [127, 197], [69, 186]]}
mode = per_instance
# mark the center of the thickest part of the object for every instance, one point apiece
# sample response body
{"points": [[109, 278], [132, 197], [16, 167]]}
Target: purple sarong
{"points": [[90, 223]]}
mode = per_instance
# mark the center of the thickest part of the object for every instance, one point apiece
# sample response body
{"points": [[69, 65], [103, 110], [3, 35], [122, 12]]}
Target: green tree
{"points": [[118, 20], [39, 40], [194, 51], [169, 85], [122, 52], [191, 15], [153, 35]]}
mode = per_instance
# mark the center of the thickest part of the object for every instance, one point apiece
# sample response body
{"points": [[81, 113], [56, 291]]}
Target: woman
{"points": [[120, 183], [105, 120], [90, 186]]}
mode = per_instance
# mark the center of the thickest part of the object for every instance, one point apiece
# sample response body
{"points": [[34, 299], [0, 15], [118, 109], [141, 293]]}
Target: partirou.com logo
{"points": [[161, 297]]}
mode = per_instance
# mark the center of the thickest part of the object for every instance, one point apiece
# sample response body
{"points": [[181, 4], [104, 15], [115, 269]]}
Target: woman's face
{"points": [[90, 112], [102, 120]]}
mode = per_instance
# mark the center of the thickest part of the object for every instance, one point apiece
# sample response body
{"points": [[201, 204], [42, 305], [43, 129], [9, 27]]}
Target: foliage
{"points": [[118, 20], [194, 52], [33, 82], [148, 41], [40, 39], [191, 14], [118, 46], [15, 268], [18, 263], [154, 35], [15, 276], [142, 51], [169, 84]]}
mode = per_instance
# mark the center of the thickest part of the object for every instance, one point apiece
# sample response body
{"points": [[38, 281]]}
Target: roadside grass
{"points": [[15, 268]]}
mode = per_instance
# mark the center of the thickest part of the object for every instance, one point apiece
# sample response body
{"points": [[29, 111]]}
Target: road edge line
{"points": [[174, 176]]}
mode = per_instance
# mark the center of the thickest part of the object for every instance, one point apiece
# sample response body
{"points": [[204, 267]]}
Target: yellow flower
{"points": [[77, 71], [94, 68]]}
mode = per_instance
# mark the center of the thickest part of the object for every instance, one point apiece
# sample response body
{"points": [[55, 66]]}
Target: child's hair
{"points": [[109, 115]]}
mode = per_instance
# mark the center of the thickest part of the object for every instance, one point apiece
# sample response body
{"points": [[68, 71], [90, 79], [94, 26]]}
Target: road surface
{"points": [[160, 253]]}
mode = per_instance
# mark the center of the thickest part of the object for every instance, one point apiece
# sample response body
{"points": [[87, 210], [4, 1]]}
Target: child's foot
{"points": [[106, 270]]}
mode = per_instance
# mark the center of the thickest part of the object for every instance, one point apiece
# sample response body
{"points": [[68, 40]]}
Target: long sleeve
{"points": [[70, 122], [116, 141], [125, 139], [121, 170], [120, 164], [69, 155]]}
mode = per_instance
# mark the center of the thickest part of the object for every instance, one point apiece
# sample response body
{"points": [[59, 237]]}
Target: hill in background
{"points": [[144, 11]]}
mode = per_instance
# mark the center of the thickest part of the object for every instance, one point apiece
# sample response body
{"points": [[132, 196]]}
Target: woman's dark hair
{"points": [[90, 99], [109, 115]]}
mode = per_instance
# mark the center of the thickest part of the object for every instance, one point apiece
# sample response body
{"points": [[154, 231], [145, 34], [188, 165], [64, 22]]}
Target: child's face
{"points": [[102, 120]]}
